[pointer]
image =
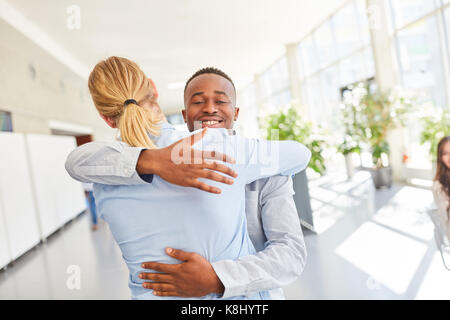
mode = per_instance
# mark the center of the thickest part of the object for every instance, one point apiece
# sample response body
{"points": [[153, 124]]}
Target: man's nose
{"points": [[209, 107]]}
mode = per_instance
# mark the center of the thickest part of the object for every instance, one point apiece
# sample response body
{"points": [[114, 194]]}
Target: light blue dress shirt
{"points": [[145, 219]]}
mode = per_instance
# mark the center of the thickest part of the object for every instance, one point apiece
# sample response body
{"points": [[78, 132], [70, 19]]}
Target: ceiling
{"points": [[172, 39]]}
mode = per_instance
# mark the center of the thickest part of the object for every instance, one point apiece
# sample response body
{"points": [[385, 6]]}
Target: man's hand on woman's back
{"points": [[182, 165]]}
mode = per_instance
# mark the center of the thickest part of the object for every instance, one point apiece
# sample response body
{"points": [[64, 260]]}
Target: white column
{"points": [[298, 100], [383, 47], [387, 76]]}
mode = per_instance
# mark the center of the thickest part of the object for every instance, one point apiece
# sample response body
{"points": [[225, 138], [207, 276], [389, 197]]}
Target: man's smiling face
{"points": [[210, 101]]}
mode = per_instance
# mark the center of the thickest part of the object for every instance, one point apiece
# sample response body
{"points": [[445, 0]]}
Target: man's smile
{"points": [[211, 122]]}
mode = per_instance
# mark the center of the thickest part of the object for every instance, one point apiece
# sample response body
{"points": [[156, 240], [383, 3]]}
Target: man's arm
{"points": [[111, 163], [116, 163], [284, 256], [269, 158]]}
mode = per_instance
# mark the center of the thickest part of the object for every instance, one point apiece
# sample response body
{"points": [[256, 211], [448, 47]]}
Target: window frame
{"points": [[444, 39]]}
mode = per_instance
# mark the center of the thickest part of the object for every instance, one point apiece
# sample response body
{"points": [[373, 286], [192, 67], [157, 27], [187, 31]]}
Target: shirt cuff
{"points": [[130, 160], [147, 177], [232, 288]]}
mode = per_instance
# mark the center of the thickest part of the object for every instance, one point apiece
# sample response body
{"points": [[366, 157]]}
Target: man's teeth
{"points": [[210, 122]]}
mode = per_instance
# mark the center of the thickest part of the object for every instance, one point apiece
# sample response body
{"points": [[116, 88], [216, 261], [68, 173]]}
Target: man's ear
{"points": [[109, 121], [236, 113], [154, 88], [184, 114]]}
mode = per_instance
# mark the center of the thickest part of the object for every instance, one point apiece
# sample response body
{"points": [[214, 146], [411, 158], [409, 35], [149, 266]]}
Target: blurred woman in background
{"points": [[441, 185]]}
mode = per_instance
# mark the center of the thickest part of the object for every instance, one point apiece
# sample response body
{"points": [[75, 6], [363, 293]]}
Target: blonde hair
{"points": [[111, 83]]}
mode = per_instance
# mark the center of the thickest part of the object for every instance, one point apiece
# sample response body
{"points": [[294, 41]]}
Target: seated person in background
{"points": [[441, 184], [145, 219]]}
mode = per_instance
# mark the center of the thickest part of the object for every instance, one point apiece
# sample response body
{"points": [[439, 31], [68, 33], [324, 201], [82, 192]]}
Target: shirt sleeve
{"points": [[284, 256], [111, 163], [269, 158]]}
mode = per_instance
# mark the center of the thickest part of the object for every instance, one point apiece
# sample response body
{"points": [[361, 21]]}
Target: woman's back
{"points": [[146, 219]]}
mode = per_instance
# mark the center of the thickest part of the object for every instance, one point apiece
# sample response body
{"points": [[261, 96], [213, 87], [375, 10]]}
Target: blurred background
{"points": [[365, 84]]}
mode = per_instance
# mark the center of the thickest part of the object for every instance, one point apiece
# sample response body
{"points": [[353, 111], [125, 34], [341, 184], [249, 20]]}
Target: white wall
{"points": [[16, 195], [50, 92], [59, 198], [37, 196]]}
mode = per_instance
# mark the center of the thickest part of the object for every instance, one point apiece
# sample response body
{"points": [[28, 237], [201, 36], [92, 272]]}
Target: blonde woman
{"points": [[146, 219]]}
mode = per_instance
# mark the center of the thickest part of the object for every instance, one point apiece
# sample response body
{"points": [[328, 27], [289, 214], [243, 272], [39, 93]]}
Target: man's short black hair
{"points": [[209, 70]]}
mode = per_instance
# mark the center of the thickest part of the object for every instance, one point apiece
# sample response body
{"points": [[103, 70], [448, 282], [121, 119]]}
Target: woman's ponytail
{"points": [[135, 124]]}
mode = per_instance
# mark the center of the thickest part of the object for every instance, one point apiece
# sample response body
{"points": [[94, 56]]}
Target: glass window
{"points": [[247, 97], [341, 49], [346, 30], [308, 55], [247, 122], [352, 70], [274, 103], [266, 88], [331, 94], [409, 10], [447, 23], [281, 99], [421, 61], [361, 9], [369, 63], [275, 79], [325, 44], [314, 98], [281, 77]]}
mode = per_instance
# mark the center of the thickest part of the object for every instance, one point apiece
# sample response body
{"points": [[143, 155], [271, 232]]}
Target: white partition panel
{"points": [[59, 198], [16, 195], [5, 256]]}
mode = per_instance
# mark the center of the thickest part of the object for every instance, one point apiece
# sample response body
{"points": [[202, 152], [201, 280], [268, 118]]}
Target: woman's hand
{"points": [[182, 165]]}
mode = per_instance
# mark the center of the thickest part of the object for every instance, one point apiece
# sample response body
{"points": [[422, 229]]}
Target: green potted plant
{"points": [[436, 125], [349, 146], [379, 112], [291, 126]]}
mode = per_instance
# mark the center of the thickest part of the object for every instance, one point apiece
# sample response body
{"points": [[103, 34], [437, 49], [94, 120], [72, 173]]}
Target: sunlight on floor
{"points": [[323, 195], [333, 198], [436, 283], [326, 217], [406, 212], [387, 256]]}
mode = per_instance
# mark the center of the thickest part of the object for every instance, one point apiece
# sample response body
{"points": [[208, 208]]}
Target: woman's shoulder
{"points": [[437, 188], [436, 184]]}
